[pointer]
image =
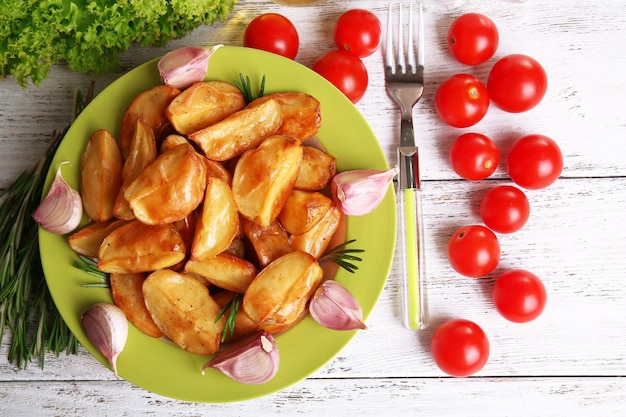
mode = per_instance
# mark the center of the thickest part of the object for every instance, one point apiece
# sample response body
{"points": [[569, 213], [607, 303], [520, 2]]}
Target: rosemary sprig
{"points": [[232, 307], [244, 85], [90, 266], [343, 257], [26, 307]]}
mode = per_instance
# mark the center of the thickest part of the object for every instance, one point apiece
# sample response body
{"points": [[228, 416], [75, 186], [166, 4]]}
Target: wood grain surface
{"points": [[569, 362]]}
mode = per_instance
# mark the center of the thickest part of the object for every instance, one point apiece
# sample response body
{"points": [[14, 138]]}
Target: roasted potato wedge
{"points": [[301, 114], [217, 169], [172, 141], [315, 241], [101, 175], [143, 152], [280, 292], [138, 247], [218, 223], [149, 107], [184, 311], [169, 188], [127, 293], [237, 247], [317, 170], [264, 177], [302, 210], [225, 270], [187, 228], [241, 131], [244, 326], [203, 104], [269, 243], [87, 240]]}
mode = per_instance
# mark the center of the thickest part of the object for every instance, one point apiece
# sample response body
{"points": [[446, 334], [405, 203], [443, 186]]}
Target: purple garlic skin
{"points": [[251, 361], [184, 66], [334, 307], [61, 210], [359, 192], [106, 327]]}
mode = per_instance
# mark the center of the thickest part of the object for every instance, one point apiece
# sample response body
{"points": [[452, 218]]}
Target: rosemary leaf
{"points": [[343, 256], [89, 266], [244, 85], [232, 307]]}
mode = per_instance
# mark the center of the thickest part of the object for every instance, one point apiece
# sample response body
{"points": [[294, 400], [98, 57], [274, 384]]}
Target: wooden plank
{"points": [[448, 397]]}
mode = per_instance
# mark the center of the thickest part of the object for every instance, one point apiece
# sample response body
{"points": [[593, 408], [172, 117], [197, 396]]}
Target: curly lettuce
{"points": [[89, 35]]}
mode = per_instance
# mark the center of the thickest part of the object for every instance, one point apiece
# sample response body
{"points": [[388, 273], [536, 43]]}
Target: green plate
{"points": [[162, 368]]}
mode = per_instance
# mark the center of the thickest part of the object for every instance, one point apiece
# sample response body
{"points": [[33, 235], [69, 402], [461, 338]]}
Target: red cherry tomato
{"points": [[517, 83], [358, 31], [474, 156], [473, 251], [505, 209], [473, 38], [460, 347], [272, 32], [519, 296], [345, 71], [461, 100], [534, 162]]}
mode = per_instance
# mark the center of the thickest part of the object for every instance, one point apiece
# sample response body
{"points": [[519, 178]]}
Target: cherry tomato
{"points": [[460, 347], [517, 83], [474, 156], [345, 71], [272, 32], [534, 162], [473, 251], [473, 38], [519, 296], [505, 209], [358, 31], [461, 100]]}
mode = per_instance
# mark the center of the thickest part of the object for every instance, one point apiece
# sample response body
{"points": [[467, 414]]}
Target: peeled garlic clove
{"points": [[184, 66], [251, 361], [334, 307], [360, 191], [107, 328], [61, 210]]}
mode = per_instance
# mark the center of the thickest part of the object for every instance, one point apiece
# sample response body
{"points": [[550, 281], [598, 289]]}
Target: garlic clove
{"points": [[184, 66], [251, 361], [360, 191], [334, 307], [106, 327], [61, 210]]}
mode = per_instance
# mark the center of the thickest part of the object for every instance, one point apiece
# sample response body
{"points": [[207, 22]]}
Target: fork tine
{"points": [[414, 52], [390, 60], [400, 54], [410, 50], [420, 38]]}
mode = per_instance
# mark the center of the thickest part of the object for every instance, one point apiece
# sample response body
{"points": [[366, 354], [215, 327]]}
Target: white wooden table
{"points": [[569, 362]]}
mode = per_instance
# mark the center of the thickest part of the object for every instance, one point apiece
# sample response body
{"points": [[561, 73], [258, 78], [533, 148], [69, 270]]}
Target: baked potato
{"points": [[203, 104], [279, 293], [239, 132], [184, 311], [100, 175], [169, 188], [138, 247], [264, 177], [301, 113], [149, 107]]}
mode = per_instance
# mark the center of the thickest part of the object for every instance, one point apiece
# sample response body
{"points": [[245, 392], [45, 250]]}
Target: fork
{"points": [[404, 79]]}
